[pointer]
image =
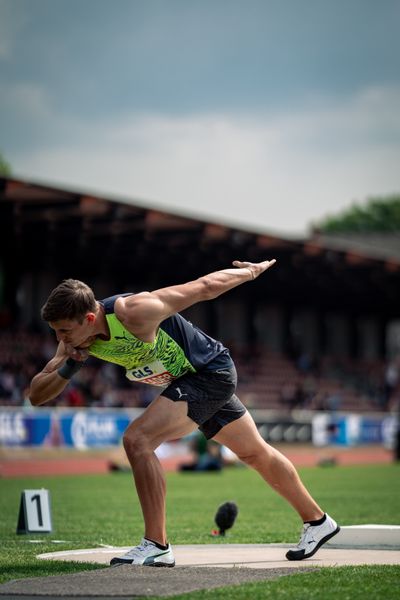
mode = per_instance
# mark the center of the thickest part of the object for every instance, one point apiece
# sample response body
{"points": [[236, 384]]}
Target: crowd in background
{"points": [[265, 381], [99, 384]]}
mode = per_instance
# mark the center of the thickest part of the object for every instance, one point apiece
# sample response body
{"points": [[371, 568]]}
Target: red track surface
{"points": [[301, 457]]}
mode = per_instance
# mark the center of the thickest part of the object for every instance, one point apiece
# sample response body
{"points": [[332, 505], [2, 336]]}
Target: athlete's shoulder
{"points": [[113, 303]]}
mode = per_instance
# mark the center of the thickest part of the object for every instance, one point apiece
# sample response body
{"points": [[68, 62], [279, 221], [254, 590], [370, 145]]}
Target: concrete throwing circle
{"points": [[254, 556]]}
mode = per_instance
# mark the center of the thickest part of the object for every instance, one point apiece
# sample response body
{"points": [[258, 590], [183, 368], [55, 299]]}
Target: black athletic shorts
{"points": [[211, 398]]}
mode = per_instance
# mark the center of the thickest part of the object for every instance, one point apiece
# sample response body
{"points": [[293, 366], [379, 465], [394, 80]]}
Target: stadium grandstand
{"points": [[319, 332]]}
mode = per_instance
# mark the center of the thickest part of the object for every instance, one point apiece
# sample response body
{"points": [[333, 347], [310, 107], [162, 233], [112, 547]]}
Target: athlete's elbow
{"points": [[38, 396], [34, 398]]}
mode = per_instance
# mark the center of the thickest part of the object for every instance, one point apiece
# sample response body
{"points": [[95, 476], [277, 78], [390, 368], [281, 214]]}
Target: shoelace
{"points": [[138, 549], [303, 537]]}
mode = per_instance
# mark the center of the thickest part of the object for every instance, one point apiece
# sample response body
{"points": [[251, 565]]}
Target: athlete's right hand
{"points": [[76, 353]]}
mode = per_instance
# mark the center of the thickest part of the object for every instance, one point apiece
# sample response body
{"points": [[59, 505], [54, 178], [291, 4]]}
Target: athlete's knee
{"points": [[136, 443], [252, 455]]}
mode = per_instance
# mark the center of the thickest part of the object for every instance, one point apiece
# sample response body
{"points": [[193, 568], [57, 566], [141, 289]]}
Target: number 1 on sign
{"points": [[39, 508]]}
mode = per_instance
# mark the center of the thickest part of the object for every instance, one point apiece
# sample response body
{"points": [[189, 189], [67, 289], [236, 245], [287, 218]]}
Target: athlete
{"points": [[145, 334]]}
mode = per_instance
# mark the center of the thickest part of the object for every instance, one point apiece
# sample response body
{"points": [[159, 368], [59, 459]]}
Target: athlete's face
{"points": [[75, 334]]}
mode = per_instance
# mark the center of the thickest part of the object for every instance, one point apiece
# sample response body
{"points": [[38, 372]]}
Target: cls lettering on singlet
{"points": [[153, 373]]}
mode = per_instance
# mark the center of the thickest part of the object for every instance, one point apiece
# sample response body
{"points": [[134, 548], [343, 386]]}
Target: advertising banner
{"points": [[352, 429], [62, 427], [96, 428]]}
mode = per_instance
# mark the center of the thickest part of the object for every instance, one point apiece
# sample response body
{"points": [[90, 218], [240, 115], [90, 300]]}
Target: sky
{"points": [[265, 114]]}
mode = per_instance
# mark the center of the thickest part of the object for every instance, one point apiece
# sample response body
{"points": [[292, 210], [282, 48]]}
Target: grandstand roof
{"points": [[75, 234], [384, 246]]}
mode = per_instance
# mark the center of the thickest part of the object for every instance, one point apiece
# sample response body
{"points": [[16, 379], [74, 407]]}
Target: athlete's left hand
{"points": [[255, 268]]}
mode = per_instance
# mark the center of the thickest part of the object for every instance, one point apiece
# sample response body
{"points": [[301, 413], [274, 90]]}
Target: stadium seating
{"points": [[266, 380]]}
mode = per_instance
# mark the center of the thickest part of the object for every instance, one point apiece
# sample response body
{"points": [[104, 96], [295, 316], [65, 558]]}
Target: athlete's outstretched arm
{"points": [[148, 309]]}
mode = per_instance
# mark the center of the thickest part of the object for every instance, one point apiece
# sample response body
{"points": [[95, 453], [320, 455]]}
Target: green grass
{"points": [[344, 583], [103, 509]]}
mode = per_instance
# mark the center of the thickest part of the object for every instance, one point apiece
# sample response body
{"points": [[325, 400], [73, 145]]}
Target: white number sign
{"points": [[34, 512]]}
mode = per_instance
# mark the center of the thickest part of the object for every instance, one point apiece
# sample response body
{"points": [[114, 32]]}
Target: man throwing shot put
{"points": [[145, 334]]}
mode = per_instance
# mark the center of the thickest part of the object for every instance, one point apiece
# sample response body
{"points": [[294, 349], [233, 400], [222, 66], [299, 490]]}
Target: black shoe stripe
{"points": [[115, 562]]}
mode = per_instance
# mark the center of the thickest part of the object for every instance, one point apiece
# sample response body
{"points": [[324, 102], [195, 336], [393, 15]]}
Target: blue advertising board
{"points": [[96, 428], [58, 427], [351, 429]]}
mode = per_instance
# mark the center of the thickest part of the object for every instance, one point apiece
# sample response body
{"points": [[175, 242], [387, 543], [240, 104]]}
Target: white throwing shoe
{"points": [[146, 554], [312, 538]]}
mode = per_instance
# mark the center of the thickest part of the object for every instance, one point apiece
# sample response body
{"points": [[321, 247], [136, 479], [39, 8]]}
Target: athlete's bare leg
{"points": [[242, 437], [163, 420]]}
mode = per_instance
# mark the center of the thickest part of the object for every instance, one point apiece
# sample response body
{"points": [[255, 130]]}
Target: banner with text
{"points": [[58, 427]]}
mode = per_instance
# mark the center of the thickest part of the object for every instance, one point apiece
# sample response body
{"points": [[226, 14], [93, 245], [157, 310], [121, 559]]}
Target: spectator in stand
{"points": [[392, 378], [74, 397], [292, 395]]}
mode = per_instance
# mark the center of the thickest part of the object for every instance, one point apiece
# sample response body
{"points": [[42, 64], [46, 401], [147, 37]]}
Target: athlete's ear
{"points": [[90, 317]]}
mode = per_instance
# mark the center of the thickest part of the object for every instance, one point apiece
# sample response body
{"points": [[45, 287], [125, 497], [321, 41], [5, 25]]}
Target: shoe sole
{"points": [[118, 563], [317, 547]]}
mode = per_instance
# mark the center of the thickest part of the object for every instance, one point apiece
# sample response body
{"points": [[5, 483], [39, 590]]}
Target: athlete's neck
{"points": [[102, 328]]}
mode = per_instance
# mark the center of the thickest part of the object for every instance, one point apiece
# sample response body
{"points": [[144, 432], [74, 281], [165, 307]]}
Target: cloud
{"points": [[270, 171]]}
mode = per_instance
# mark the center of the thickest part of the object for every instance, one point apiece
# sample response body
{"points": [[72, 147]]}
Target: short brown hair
{"points": [[71, 299]]}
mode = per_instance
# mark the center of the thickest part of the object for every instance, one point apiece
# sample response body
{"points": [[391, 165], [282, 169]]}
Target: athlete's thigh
{"points": [[241, 436], [163, 420]]}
